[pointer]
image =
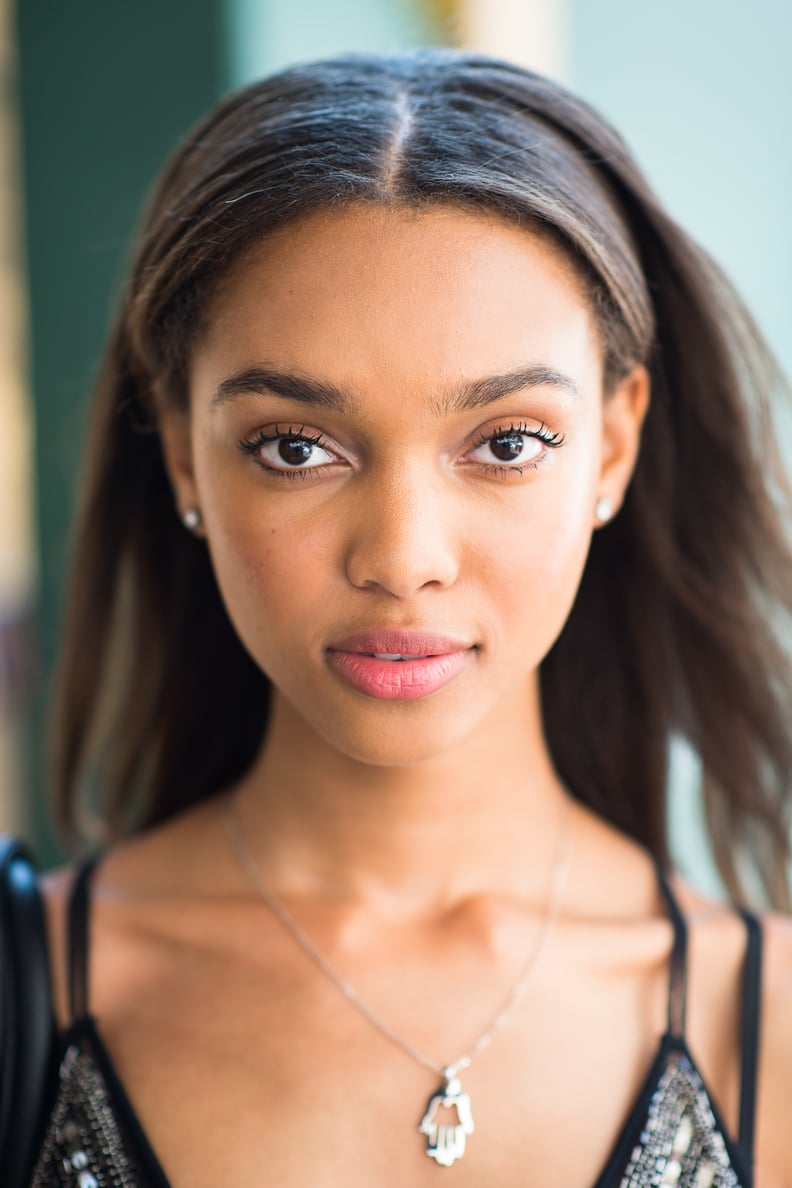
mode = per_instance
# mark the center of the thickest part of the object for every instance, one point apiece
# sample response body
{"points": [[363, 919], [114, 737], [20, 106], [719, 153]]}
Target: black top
{"points": [[673, 1135]]}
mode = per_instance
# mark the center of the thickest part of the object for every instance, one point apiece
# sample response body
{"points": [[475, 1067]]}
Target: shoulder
{"points": [[56, 889], [774, 1144], [718, 942], [144, 896]]}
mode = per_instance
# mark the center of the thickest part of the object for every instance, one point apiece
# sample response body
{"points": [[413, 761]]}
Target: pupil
{"points": [[294, 451], [508, 447]]}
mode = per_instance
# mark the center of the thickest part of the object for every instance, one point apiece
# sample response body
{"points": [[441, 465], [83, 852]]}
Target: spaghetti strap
{"points": [[677, 978], [749, 1030], [78, 939]]}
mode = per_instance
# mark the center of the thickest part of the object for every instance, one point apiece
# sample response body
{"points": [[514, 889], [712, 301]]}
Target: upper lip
{"points": [[394, 641]]}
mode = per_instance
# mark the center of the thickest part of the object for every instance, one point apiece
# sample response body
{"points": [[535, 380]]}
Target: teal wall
{"points": [[105, 92], [106, 89], [703, 93], [265, 35]]}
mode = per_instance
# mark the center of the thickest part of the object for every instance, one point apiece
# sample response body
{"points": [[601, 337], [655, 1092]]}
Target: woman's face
{"points": [[397, 439]]}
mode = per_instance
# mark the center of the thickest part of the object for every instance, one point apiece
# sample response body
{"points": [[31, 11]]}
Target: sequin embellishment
{"points": [[83, 1147], [680, 1143]]}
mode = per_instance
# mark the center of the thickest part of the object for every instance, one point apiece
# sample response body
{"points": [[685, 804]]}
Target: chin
{"points": [[397, 738]]}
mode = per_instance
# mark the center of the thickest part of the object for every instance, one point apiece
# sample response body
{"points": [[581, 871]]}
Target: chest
{"points": [[251, 1067], [235, 1084]]}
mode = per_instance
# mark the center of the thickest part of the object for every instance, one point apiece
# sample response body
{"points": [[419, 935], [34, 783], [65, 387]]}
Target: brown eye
{"points": [[286, 452], [295, 451], [507, 447]]}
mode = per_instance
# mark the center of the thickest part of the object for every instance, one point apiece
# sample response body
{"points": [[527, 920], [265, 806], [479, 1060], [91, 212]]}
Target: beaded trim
{"points": [[83, 1147], [681, 1143]]}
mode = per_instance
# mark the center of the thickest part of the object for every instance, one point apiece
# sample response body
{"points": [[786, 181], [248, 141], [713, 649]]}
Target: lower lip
{"points": [[398, 680]]}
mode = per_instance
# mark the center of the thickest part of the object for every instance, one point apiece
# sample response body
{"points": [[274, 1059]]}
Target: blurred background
{"points": [[96, 92]]}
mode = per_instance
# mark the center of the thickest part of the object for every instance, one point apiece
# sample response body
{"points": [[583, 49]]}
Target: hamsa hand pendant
{"points": [[446, 1142]]}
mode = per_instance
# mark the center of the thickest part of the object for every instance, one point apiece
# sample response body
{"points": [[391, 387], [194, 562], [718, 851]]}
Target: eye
{"points": [[509, 447], [288, 450], [512, 447]]}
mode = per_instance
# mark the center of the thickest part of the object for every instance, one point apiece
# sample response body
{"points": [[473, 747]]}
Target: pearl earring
{"points": [[603, 509], [192, 519]]}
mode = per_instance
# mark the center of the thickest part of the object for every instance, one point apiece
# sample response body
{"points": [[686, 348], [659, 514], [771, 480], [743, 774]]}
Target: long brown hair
{"points": [[678, 626]]}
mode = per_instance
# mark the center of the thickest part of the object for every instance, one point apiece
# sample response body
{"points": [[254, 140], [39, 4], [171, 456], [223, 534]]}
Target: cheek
{"points": [[271, 567], [521, 553], [536, 556]]}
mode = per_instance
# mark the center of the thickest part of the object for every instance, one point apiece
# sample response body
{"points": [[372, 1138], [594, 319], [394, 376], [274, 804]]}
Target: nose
{"points": [[403, 534]]}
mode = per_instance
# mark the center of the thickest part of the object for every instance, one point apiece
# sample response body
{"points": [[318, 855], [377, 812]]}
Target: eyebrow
{"points": [[261, 381]]}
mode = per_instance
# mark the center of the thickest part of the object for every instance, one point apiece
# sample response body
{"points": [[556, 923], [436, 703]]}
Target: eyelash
{"points": [[543, 434], [252, 445]]}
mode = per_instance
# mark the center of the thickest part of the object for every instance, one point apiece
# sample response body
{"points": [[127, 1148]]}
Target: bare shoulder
{"points": [[136, 902], [774, 1142], [718, 941]]}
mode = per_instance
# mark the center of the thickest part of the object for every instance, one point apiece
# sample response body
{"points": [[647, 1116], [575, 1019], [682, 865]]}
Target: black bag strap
{"points": [[27, 1022]]}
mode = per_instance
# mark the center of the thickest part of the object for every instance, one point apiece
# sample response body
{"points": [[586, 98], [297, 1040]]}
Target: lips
{"points": [[395, 665]]}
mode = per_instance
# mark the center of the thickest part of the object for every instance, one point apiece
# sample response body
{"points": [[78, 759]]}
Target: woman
{"points": [[476, 508]]}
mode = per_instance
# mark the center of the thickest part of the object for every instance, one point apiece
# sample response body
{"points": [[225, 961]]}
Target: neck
{"points": [[483, 819]]}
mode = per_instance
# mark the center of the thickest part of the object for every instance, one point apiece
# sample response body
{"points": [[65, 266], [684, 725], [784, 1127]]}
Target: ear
{"points": [[176, 439], [623, 412]]}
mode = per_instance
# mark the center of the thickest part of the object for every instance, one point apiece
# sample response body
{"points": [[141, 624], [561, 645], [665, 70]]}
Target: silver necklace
{"points": [[445, 1143]]}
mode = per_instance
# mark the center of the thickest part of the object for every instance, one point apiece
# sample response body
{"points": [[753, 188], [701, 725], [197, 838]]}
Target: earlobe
{"points": [[623, 413], [193, 520], [604, 509]]}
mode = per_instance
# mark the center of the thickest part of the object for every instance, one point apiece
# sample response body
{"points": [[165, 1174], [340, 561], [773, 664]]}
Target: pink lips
{"points": [[430, 662]]}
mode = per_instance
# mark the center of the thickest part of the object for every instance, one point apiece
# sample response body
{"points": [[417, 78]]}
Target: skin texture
{"points": [[405, 530], [413, 840]]}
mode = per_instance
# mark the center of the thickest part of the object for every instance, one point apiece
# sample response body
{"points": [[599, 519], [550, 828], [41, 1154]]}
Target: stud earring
{"points": [[603, 509], [192, 519]]}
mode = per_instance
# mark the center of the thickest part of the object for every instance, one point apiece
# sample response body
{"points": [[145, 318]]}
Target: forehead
{"points": [[417, 296]]}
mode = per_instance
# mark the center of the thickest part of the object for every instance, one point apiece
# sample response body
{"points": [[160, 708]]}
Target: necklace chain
{"points": [[558, 877]]}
